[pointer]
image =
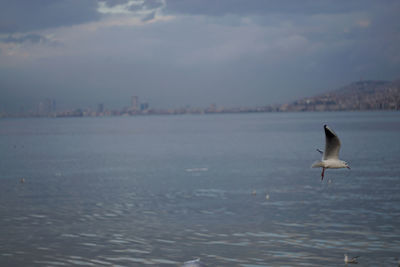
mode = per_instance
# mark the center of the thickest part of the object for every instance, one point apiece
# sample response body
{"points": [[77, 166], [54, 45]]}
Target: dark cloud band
{"points": [[25, 15]]}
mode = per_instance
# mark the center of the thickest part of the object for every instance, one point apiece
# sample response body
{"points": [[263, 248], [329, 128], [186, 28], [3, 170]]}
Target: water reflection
{"points": [[159, 204]]}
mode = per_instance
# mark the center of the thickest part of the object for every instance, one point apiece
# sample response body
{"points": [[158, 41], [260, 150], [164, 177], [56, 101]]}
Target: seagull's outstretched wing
{"points": [[332, 144]]}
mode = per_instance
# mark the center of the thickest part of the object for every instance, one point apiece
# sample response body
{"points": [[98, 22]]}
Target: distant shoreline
{"points": [[196, 114], [357, 96]]}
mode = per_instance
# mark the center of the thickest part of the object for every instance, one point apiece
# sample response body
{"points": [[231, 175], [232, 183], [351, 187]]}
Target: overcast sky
{"points": [[173, 53]]}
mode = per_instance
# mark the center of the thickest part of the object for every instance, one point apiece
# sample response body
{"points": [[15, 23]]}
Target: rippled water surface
{"points": [[233, 190]]}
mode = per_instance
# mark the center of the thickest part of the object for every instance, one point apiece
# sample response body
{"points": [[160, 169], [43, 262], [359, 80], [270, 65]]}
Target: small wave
{"points": [[196, 169], [39, 216], [131, 251], [51, 263], [89, 244]]}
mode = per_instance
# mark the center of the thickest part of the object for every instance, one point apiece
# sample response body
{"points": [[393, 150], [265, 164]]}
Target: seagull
{"points": [[193, 263], [351, 261], [330, 157]]}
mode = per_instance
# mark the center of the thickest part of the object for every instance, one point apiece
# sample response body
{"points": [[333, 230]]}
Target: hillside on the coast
{"points": [[362, 95]]}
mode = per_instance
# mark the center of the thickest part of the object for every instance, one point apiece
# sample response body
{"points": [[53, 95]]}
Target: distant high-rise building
{"points": [[134, 102], [46, 107], [213, 107], [100, 108], [144, 106], [53, 105]]}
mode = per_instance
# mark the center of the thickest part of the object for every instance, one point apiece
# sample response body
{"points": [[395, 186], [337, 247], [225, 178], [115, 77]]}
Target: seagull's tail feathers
{"points": [[317, 164]]}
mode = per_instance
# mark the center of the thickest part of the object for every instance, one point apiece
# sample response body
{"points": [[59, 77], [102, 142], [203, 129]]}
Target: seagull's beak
{"points": [[348, 167]]}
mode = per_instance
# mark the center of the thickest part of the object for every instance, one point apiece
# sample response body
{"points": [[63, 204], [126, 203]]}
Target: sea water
{"points": [[232, 190]]}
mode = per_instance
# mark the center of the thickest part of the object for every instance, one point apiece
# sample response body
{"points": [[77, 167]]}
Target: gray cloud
{"points": [[147, 4], [28, 38], [149, 17], [113, 3], [26, 15], [265, 7]]}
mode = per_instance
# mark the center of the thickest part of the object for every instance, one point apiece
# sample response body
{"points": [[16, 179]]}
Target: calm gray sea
{"points": [[233, 190]]}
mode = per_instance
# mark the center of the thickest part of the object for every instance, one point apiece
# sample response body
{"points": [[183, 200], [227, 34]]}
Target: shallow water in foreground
{"points": [[233, 190]]}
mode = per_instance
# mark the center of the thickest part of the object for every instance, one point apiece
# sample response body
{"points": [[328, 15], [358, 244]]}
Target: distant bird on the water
{"points": [[22, 180], [193, 263], [330, 157], [351, 261]]}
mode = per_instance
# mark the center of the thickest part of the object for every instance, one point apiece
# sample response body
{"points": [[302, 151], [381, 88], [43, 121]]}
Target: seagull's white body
{"points": [[193, 263], [330, 164], [352, 260], [330, 157]]}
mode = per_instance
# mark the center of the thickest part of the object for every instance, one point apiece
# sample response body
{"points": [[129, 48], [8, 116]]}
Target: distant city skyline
{"points": [[173, 53], [357, 96]]}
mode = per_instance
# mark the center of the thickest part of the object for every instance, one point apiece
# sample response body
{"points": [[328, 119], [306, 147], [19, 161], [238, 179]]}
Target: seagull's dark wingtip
{"points": [[328, 132]]}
